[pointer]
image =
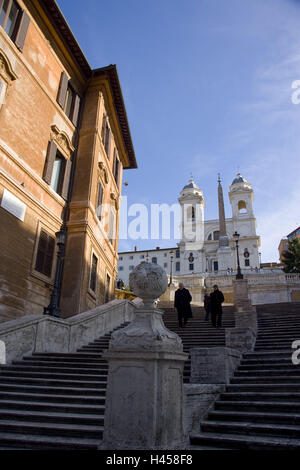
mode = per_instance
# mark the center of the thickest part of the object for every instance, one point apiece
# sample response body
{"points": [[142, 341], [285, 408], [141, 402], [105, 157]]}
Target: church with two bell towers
{"points": [[207, 247]]}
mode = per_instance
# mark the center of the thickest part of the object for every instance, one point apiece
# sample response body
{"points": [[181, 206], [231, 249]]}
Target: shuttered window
{"points": [[112, 225], [57, 171], [2, 92], [45, 252], [107, 289], [116, 167], [14, 21], [106, 136], [68, 99], [93, 278], [99, 200]]}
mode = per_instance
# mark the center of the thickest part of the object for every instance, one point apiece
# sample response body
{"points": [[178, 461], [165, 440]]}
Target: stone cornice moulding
{"points": [[62, 140], [6, 70]]}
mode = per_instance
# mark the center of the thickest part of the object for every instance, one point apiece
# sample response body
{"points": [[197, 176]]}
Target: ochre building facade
{"points": [[64, 142]]}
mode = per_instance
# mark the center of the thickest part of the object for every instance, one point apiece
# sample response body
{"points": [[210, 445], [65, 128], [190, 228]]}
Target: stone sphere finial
{"points": [[148, 281]]}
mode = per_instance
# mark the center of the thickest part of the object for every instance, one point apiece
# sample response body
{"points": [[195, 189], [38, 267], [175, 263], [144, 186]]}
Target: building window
{"points": [[247, 262], [121, 258], [154, 260], [242, 208], [106, 136], [99, 200], [121, 268], [112, 225], [58, 173], [131, 268], [57, 170], [68, 99], [116, 167], [45, 252], [14, 21], [178, 266], [107, 290], [131, 257], [165, 265], [216, 266], [142, 256], [2, 92], [165, 255], [191, 266], [177, 253], [93, 277]]}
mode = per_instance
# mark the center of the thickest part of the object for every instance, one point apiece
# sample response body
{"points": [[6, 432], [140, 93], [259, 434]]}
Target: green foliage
{"points": [[291, 257]]}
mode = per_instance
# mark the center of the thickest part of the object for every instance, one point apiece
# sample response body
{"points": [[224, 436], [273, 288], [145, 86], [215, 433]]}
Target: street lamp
{"points": [[53, 308], [171, 271], [236, 237]]}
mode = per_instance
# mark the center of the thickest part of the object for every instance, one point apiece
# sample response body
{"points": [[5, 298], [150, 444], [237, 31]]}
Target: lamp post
{"points": [[171, 271], [53, 308], [236, 237]]}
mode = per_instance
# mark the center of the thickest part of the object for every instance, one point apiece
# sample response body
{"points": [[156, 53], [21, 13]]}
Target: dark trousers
{"points": [[207, 314], [216, 318], [181, 317]]}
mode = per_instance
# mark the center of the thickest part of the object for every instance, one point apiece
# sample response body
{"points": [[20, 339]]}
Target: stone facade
{"points": [[55, 111]]}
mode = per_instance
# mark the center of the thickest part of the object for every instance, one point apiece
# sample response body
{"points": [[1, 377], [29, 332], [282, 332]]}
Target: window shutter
{"points": [[114, 164], [44, 256], [99, 201], [75, 113], [65, 186], [63, 88], [103, 129], [108, 143], [21, 32], [51, 154], [117, 174]]}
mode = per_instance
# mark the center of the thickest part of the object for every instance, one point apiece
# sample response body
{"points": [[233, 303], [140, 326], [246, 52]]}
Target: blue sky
{"points": [[207, 88]]}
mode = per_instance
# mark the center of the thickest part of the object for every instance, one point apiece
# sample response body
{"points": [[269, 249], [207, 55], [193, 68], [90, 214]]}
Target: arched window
{"points": [[242, 207], [191, 214], [214, 236], [154, 260]]}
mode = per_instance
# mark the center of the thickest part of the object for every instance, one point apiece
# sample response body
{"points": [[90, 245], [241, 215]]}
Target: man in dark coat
{"points": [[216, 300], [183, 305]]}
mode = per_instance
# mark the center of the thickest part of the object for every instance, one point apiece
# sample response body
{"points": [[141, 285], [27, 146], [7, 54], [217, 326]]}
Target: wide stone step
{"points": [[271, 347], [45, 390], [243, 441], [289, 388], [257, 417], [266, 379], [266, 367], [70, 356], [10, 440], [53, 370], [251, 428], [260, 396], [268, 372], [44, 375], [63, 360], [27, 404], [46, 417], [53, 398], [270, 361], [52, 382], [71, 365], [52, 429], [257, 406], [268, 354]]}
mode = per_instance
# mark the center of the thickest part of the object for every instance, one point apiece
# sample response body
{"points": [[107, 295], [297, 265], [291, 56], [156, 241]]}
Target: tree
{"points": [[291, 257]]}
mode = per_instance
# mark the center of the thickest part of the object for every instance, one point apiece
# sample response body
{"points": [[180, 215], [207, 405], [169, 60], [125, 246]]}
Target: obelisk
{"points": [[224, 250]]}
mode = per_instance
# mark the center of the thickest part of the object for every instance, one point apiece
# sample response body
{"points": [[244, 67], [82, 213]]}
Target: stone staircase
{"points": [[54, 401], [260, 409], [198, 333]]}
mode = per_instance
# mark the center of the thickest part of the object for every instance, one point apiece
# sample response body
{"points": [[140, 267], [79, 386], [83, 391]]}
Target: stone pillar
{"points": [[241, 339], [213, 365], [241, 298], [144, 401]]}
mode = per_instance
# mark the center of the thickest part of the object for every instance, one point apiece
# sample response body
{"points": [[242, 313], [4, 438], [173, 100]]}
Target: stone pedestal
{"points": [[213, 365], [241, 298], [224, 254], [241, 339], [144, 401]]}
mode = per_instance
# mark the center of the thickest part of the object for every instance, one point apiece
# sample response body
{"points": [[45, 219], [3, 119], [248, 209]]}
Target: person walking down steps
{"points": [[206, 306], [216, 300], [182, 303]]}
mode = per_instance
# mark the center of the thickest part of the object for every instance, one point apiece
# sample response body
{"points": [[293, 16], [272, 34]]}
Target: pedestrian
{"points": [[183, 305], [207, 306], [216, 300]]}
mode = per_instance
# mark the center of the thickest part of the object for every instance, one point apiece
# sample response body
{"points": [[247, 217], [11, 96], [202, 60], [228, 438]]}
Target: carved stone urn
{"points": [[147, 331]]}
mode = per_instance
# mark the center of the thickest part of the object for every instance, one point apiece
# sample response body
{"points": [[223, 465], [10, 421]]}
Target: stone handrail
{"points": [[40, 333]]}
